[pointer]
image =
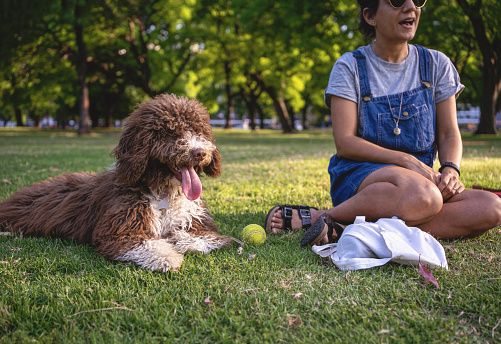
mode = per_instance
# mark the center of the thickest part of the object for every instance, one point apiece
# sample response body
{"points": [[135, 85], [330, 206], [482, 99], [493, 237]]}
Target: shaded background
{"points": [[89, 62]]}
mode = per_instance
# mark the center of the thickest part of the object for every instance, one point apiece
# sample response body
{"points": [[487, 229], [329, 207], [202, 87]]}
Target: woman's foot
{"points": [[323, 231], [298, 216]]}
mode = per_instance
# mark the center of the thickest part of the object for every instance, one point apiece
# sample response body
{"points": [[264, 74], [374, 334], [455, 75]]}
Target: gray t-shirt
{"points": [[389, 78]]}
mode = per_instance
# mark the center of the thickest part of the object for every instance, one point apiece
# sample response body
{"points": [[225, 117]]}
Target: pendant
{"points": [[397, 131]]}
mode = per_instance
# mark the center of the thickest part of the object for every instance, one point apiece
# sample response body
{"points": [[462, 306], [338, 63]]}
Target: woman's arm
{"points": [[450, 147], [350, 146]]}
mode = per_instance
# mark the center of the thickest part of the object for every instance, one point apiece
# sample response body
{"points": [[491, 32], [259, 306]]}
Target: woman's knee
{"points": [[412, 197], [421, 200], [483, 209], [492, 214]]}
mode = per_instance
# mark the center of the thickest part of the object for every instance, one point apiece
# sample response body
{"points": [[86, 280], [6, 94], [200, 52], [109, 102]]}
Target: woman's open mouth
{"points": [[409, 23]]}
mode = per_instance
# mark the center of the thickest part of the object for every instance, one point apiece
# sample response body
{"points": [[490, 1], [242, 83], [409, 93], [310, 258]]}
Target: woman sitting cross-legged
{"points": [[393, 108]]}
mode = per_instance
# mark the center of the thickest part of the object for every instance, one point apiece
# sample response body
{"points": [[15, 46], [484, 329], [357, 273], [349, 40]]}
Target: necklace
{"points": [[396, 130]]}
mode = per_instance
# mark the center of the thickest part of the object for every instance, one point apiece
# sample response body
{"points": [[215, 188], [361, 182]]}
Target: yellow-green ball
{"points": [[254, 234]]}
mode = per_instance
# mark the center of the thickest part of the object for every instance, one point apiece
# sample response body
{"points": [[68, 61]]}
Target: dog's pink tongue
{"points": [[192, 187]]}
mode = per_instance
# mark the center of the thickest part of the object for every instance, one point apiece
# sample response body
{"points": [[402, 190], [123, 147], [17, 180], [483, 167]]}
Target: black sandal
{"points": [[324, 225], [303, 213]]}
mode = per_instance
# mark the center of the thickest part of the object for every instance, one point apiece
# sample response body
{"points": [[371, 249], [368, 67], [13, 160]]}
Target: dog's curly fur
{"points": [[138, 211]]}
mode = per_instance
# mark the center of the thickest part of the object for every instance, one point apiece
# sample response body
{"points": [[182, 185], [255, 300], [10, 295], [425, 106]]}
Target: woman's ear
{"points": [[369, 17]]}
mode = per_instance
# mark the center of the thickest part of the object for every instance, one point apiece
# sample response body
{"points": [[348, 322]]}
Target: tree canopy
{"points": [[93, 60]]}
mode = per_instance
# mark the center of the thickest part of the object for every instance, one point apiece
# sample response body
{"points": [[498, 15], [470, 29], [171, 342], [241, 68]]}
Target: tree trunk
{"points": [[108, 121], [251, 106], [84, 122], [487, 124], [251, 102], [490, 48], [250, 109], [19, 117], [229, 95], [261, 116], [304, 120], [278, 104], [304, 112], [290, 111], [283, 114], [37, 120]]}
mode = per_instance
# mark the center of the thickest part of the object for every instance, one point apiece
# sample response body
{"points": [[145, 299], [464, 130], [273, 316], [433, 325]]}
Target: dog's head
{"points": [[164, 139]]}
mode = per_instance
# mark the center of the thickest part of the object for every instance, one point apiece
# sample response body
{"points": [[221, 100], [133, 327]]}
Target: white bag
{"points": [[365, 245]]}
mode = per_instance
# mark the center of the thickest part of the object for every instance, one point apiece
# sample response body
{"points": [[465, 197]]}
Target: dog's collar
{"points": [[162, 204]]}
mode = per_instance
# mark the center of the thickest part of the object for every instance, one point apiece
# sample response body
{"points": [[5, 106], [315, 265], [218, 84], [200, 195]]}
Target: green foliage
{"points": [[57, 292], [197, 48], [445, 27], [467, 31]]}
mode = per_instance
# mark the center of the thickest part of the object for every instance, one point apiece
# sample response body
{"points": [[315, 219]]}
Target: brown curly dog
{"points": [[147, 209]]}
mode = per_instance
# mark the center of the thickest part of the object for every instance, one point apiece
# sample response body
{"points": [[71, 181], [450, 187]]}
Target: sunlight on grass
{"points": [[55, 291]]}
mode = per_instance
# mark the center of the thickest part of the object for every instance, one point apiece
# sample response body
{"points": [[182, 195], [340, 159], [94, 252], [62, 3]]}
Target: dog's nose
{"points": [[199, 154]]}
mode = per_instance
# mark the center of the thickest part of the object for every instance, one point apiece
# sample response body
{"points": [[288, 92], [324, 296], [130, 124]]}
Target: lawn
{"points": [[53, 291]]}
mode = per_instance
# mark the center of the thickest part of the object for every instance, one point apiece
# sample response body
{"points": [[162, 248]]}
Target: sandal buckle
{"points": [[305, 216], [287, 212], [305, 212]]}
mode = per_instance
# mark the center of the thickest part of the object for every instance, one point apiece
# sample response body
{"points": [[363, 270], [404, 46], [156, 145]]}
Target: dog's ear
{"points": [[130, 167], [214, 168], [131, 156]]}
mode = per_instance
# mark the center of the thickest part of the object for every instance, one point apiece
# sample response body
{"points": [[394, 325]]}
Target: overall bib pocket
{"points": [[415, 124]]}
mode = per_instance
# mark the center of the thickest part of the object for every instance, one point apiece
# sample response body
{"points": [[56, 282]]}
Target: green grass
{"points": [[56, 292]]}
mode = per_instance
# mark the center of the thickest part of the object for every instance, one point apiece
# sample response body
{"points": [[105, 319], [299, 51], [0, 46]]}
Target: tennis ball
{"points": [[254, 234]]}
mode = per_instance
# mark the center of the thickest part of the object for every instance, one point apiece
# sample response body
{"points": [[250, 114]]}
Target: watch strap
{"points": [[449, 164]]}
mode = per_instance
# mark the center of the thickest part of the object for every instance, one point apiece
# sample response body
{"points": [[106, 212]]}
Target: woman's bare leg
{"points": [[395, 191], [390, 191], [466, 215], [277, 222]]}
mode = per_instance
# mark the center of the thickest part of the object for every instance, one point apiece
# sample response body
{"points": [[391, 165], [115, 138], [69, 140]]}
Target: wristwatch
{"points": [[449, 164]]}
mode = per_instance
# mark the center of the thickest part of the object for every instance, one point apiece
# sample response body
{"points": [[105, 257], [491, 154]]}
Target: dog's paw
{"points": [[155, 255], [175, 260]]}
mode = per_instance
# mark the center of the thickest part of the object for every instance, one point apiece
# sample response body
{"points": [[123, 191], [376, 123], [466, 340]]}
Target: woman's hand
{"points": [[450, 147], [412, 163], [450, 184]]}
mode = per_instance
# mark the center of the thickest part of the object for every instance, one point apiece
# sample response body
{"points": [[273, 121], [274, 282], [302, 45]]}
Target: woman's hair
{"points": [[367, 30]]}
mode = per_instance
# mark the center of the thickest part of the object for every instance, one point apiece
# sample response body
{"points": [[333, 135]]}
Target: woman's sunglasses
{"points": [[400, 3]]}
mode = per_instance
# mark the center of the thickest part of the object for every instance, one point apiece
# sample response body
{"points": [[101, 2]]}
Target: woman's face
{"points": [[395, 24]]}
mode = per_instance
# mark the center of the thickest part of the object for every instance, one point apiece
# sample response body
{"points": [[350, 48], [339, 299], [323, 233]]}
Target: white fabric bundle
{"points": [[365, 245]]}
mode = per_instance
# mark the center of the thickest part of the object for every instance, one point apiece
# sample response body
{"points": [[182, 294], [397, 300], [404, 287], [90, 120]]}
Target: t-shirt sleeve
{"points": [[448, 82], [343, 81]]}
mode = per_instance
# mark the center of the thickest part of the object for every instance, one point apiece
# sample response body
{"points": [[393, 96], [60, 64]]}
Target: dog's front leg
{"points": [[202, 237], [200, 242], [131, 238], [154, 254]]}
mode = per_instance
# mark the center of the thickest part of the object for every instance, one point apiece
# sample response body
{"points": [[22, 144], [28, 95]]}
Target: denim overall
{"points": [[417, 124]]}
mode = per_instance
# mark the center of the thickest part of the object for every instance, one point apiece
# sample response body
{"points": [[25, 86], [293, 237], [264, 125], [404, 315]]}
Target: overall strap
{"points": [[424, 65], [365, 87]]}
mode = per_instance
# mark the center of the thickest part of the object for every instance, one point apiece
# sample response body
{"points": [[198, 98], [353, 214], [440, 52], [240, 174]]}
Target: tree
{"points": [[263, 58], [485, 17], [19, 37], [467, 32], [79, 21], [296, 43], [155, 43]]}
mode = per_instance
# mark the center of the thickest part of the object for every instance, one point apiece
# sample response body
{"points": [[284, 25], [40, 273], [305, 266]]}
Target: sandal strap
{"points": [[334, 227], [339, 230], [303, 213], [287, 216], [330, 230]]}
